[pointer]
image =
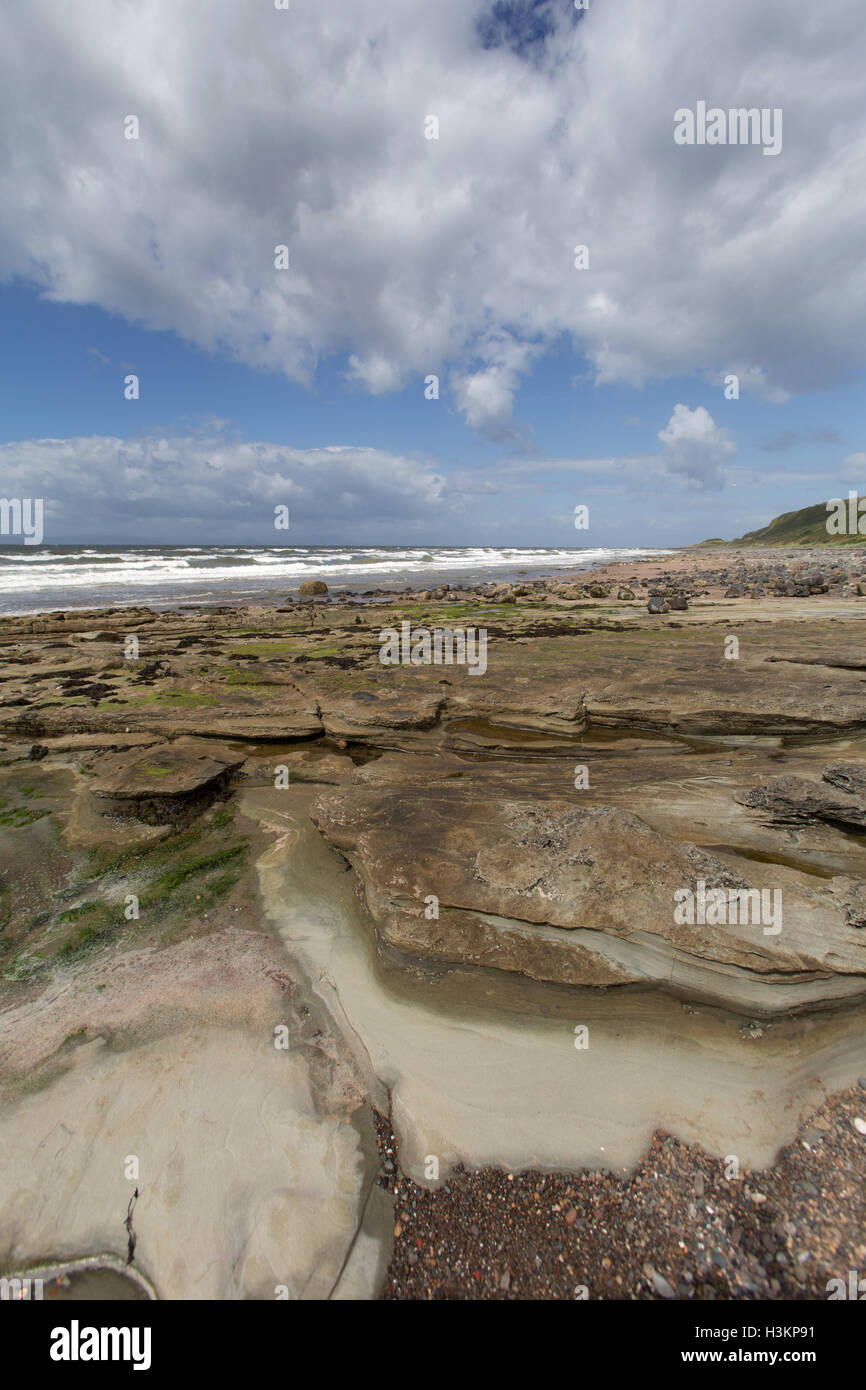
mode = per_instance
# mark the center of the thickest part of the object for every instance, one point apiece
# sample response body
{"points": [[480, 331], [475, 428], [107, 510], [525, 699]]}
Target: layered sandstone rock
{"points": [[585, 897], [168, 782], [799, 800]]}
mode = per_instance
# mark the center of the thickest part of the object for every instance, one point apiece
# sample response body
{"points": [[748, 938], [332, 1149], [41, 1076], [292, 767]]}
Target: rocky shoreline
{"points": [[209, 816], [689, 573]]}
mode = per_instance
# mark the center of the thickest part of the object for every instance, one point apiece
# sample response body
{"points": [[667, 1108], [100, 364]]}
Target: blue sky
{"points": [[410, 256]]}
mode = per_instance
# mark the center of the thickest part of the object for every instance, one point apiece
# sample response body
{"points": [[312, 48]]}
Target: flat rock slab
{"points": [[168, 770], [73, 743], [586, 897], [168, 783], [255, 1162]]}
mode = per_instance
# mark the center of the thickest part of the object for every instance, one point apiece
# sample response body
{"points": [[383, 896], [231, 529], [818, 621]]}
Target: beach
{"points": [[412, 927]]}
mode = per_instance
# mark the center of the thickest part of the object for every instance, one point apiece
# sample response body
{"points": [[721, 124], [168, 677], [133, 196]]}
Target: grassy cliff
{"points": [[808, 526]]}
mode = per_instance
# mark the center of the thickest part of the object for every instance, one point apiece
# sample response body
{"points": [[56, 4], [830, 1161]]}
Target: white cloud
{"points": [[260, 127], [486, 397], [375, 373], [695, 451], [695, 446]]}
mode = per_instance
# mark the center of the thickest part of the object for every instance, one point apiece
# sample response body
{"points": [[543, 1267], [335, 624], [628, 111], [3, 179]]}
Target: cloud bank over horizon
{"points": [[212, 486]]}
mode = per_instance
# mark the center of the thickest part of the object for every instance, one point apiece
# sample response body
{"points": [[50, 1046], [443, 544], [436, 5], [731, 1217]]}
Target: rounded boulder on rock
{"points": [[313, 586]]}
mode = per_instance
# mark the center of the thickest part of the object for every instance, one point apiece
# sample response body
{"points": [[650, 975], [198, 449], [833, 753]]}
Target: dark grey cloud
{"points": [[789, 439]]}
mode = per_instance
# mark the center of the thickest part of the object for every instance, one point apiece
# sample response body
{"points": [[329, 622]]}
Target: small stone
{"points": [[659, 1282], [860, 1125]]}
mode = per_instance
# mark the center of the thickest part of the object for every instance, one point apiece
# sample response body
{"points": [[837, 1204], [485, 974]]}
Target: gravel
{"points": [[676, 1228]]}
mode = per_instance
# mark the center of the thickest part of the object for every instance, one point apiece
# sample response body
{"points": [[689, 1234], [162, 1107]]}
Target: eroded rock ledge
{"points": [[584, 897]]}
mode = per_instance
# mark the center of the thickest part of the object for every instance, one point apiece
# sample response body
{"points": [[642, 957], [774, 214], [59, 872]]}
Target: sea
{"points": [[40, 579]]}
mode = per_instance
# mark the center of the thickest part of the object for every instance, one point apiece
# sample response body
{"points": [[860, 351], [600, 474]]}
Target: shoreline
{"points": [[247, 583], [281, 805], [695, 569]]}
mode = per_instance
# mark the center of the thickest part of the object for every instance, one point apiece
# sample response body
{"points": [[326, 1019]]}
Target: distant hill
{"points": [[808, 526]]}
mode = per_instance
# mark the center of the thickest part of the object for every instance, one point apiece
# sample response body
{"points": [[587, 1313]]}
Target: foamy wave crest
{"points": [[32, 580]]}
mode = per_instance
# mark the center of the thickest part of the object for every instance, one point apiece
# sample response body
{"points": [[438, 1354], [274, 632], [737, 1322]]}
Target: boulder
{"points": [[312, 586]]}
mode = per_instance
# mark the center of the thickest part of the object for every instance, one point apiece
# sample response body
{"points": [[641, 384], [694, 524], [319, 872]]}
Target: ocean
{"points": [[41, 579]]}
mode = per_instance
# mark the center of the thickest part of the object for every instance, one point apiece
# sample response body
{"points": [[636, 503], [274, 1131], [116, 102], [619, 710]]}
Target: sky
{"points": [[307, 386]]}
